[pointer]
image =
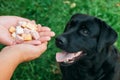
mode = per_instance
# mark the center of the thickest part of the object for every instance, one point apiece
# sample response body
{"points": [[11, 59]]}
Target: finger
{"points": [[45, 29], [42, 48], [7, 41], [22, 19], [33, 22], [51, 34], [39, 27], [44, 39], [5, 37], [18, 41], [33, 42]]}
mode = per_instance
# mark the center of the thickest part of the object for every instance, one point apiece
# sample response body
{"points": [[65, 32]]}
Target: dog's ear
{"points": [[107, 35]]}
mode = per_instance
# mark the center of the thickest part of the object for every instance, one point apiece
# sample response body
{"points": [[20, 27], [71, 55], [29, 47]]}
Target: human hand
{"points": [[8, 21], [12, 56], [24, 52], [5, 23]]}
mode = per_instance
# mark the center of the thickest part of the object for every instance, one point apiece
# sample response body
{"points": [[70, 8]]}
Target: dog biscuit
{"points": [[24, 31], [35, 34], [27, 37], [12, 29]]}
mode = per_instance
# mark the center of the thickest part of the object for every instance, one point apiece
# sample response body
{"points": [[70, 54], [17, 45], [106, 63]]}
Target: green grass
{"points": [[55, 14]]}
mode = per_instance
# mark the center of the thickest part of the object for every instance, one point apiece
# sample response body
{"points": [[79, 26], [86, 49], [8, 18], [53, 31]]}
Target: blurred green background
{"points": [[55, 14]]}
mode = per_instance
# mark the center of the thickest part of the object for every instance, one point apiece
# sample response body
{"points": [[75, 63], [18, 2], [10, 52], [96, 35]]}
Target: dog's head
{"points": [[84, 36]]}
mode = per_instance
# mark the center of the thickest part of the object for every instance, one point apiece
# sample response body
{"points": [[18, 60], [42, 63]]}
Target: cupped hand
{"points": [[25, 52], [5, 23], [8, 21]]}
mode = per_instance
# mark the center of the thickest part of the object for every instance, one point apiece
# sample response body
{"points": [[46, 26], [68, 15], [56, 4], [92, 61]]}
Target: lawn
{"points": [[55, 14]]}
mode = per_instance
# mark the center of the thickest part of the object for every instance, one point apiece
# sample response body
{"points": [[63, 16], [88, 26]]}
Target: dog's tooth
{"points": [[78, 53], [71, 61], [65, 61], [68, 60]]}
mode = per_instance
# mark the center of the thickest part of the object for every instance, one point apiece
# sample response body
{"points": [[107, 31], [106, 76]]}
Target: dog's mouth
{"points": [[65, 57]]}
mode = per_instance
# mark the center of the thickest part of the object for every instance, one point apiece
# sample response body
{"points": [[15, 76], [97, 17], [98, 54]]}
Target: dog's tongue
{"points": [[63, 56]]}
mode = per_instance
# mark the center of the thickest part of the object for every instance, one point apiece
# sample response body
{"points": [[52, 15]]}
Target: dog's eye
{"points": [[84, 31]]}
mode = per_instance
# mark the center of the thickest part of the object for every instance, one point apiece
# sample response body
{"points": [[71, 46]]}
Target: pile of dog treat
{"points": [[24, 31]]}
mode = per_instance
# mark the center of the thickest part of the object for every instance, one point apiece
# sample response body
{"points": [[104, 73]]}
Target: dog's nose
{"points": [[61, 41]]}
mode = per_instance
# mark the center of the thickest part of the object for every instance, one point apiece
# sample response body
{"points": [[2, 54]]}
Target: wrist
{"points": [[0, 36], [9, 61], [12, 55]]}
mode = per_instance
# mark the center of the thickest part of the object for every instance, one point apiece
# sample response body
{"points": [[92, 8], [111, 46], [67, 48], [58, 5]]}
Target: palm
{"points": [[5, 37], [5, 23], [8, 21]]}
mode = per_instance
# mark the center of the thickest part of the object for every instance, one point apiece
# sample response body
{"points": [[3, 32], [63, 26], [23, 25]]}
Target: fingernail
{"points": [[39, 25], [14, 43], [52, 34], [48, 38], [48, 29]]}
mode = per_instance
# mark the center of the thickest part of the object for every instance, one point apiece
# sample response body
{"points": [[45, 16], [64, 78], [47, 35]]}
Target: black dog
{"points": [[88, 51]]}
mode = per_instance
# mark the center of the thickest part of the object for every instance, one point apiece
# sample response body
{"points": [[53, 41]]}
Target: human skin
{"points": [[14, 54], [8, 21]]}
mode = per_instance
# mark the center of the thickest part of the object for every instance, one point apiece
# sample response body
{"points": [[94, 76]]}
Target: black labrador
{"points": [[87, 50]]}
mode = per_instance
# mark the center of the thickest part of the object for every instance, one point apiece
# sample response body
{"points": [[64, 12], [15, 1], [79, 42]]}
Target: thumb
{"points": [[42, 47], [5, 37], [6, 40]]}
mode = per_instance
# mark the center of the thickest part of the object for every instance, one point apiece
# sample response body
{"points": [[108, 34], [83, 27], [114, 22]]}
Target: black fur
{"points": [[96, 38]]}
